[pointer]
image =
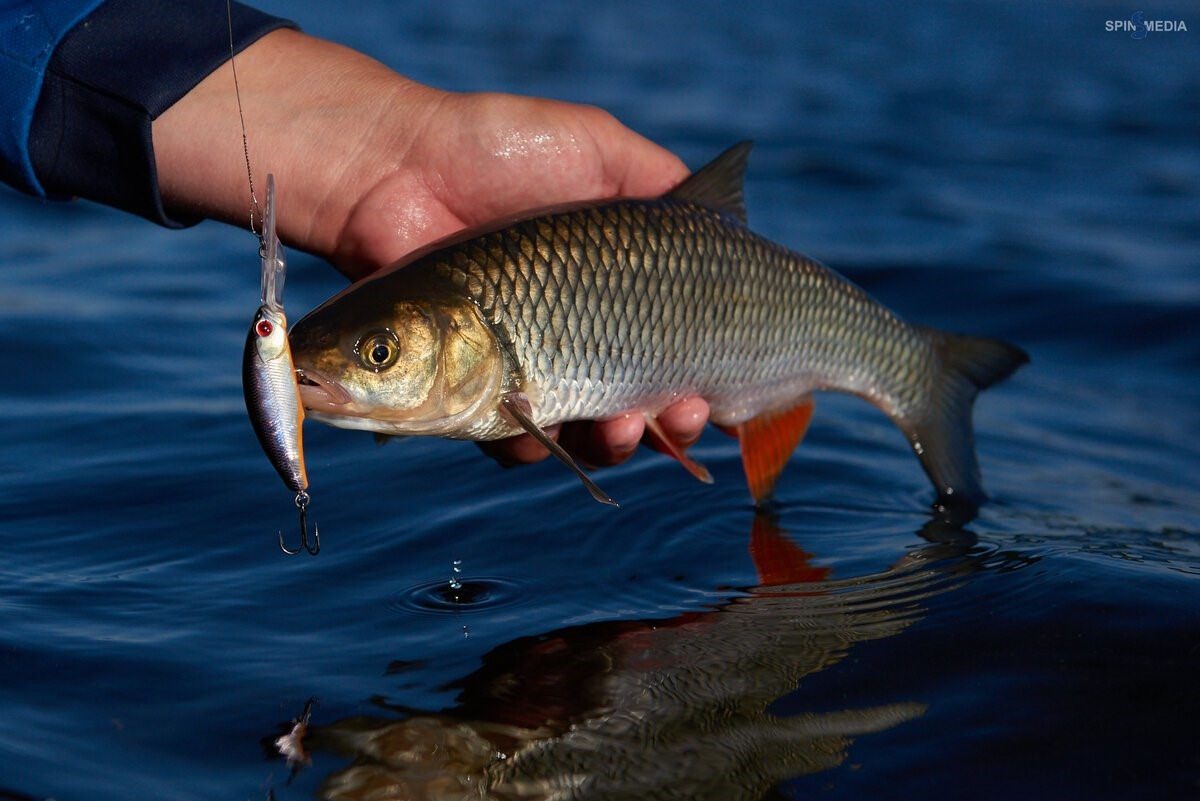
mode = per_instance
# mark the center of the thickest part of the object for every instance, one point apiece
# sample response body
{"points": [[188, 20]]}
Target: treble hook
{"points": [[315, 548]]}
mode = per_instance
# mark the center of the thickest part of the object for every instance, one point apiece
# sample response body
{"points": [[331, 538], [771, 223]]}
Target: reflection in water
{"points": [[654, 709]]}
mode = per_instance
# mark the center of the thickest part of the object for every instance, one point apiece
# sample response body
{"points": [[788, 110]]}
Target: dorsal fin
{"points": [[718, 184]]}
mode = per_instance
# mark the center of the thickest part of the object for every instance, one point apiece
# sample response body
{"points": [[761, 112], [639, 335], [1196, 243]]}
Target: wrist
{"points": [[124, 64]]}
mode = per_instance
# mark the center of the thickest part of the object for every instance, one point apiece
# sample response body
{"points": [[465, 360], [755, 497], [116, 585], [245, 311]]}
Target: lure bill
{"points": [[269, 377], [601, 308]]}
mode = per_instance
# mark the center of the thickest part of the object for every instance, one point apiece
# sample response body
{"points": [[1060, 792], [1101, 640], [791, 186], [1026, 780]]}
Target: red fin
{"points": [[767, 443], [777, 559], [664, 443]]}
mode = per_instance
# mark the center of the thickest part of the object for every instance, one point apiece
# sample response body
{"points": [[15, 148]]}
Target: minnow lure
{"points": [[269, 379]]}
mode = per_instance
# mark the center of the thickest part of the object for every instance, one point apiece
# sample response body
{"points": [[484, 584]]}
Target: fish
{"points": [[269, 382], [595, 309]]}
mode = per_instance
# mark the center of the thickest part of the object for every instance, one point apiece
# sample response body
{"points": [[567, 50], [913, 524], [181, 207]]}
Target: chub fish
{"points": [[599, 308]]}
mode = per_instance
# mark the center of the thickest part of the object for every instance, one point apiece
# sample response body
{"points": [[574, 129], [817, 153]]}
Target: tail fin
{"points": [[943, 436]]}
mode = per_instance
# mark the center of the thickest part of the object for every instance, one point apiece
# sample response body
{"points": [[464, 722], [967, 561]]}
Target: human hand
{"points": [[372, 166]]}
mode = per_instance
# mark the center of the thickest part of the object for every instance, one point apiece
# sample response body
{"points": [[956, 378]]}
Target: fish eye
{"points": [[378, 350]]}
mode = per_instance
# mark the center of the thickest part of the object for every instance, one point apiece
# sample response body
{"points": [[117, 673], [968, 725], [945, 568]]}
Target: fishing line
{"points": [[242, 117]]}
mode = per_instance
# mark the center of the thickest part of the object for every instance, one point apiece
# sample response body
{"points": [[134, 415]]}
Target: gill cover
{"points": [[423, 365]]}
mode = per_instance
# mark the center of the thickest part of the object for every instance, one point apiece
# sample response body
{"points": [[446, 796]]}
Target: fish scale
{"points": [[701, 307]]}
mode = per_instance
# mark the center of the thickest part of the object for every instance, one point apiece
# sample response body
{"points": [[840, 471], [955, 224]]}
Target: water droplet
{"points": [[466, 632], [456, 568], [471, 594]]}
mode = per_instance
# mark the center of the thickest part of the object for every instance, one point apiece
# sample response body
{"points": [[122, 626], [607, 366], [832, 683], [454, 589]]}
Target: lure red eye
{"points": [[264, 328]]}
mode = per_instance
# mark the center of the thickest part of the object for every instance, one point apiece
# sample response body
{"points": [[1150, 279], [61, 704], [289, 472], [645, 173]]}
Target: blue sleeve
{"points": [[109, 77], [29, 32]]}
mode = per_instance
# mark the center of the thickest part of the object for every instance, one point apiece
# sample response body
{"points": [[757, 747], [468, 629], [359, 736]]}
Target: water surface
{"points": [[1006, 169]]}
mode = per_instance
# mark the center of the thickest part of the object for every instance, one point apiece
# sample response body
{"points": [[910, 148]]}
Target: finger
{"points": [[635, 166], [683, 422], [650, 170], [521, 449], [605, 442]]}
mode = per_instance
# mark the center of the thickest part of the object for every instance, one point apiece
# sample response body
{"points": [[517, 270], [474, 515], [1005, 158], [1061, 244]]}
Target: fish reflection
{"points": [[657, 709]]}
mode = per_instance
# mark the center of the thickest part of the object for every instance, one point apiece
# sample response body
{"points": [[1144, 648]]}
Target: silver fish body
{"points": [[630, 305], [272, 397], [633, 305]]}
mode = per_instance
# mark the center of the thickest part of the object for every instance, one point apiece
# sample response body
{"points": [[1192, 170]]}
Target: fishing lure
{"points": [[269, 379]]}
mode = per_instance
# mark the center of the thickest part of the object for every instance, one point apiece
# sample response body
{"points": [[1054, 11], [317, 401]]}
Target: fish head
{"points": [[419, 365]]}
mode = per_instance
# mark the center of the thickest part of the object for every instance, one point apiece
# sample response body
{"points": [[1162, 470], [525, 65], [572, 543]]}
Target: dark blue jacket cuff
{"points": [[110, 77], [29, 32]]}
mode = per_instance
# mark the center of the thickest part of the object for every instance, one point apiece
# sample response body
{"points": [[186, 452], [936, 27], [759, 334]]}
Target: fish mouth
{"points": [[319, 392]]}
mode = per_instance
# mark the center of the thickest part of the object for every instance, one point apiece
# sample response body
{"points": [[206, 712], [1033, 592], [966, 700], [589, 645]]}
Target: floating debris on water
{"points": [[291, 745]]}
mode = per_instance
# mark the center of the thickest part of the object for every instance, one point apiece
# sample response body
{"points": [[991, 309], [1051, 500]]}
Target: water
{"points": [[1005, 169]]}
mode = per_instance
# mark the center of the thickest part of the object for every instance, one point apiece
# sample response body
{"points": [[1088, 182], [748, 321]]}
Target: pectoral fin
{"points": [[767, 442], [655, 431], [516, 406]]}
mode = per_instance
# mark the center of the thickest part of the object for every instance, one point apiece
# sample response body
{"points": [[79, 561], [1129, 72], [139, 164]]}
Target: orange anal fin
{"points": [[777, 559], [767, 443], [664, 443]]}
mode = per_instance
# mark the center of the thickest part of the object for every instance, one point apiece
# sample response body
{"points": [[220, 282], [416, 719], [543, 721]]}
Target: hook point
{"points": [[314, 548]]}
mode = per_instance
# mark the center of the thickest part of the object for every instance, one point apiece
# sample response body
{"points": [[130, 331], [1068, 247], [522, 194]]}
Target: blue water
{"points": [[1007, 169]]}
